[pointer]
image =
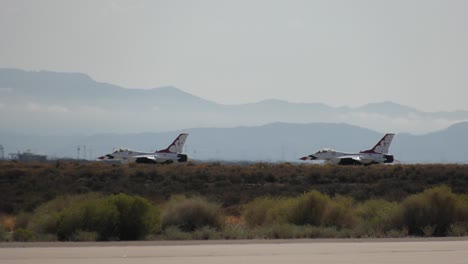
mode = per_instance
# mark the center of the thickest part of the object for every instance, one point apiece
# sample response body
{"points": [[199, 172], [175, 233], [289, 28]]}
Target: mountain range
{"points": [[55, 113], [72, 103]]}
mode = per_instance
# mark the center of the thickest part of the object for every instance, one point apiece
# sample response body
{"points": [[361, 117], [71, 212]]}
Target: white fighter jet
{"points": [[378, 154], [172, 154]]}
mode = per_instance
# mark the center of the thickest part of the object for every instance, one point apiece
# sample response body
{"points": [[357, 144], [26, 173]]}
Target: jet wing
{"points": [[145, 159], [355, 160], [350, 160]]}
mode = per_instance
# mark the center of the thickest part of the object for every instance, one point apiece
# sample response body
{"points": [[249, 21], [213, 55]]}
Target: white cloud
{"points": [[6, 90], [35, 107], [95, 110]]}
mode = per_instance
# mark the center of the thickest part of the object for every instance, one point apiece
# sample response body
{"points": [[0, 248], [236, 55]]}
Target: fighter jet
{"points": [[169, 155], [377, 154]]}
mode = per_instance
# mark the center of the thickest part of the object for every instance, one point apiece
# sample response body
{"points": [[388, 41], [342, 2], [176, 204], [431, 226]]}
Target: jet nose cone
{"points": [[105, 157], [310, 157]]}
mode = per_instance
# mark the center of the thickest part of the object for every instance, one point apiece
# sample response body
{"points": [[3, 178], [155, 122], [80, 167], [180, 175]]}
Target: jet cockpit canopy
{"points": [[324, 150], [121, 150]]}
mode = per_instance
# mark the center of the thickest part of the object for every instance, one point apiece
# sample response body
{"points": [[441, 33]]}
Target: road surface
{"points": [[227, 252]]}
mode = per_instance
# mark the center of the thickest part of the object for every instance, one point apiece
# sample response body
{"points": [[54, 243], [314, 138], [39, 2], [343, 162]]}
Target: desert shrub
{"points": [[397, 233], [30, 185], [458, 229], [236, 231], [81, 235], [116, 217], [46, 237], [340, 212], [281, 231], [206, 233], [437, 207], [23, 235], [265, 210], [255, 212], [136, 216], [3, 233], [312, 208], [464, 198], [175, 233], [44, 223], [191, 214], [374, 218], [22, 219], [94, 215], [279, 213], [308, 209], [44, 218], [326, 232], [428, 230], [288, 231]]}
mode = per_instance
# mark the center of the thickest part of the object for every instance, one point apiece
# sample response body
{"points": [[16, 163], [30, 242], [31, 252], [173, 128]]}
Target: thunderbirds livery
{"points": [[378, 154], [172, 154]]}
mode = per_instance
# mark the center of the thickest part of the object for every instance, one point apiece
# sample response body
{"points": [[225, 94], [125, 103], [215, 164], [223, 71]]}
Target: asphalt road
{"points": [[226, 252]]}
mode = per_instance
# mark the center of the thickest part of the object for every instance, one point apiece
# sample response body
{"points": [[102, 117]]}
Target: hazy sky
{"points": [[413, 52]]}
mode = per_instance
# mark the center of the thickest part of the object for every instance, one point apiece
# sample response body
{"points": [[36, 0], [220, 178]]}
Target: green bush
{"points": [[137, 217], [23, 235], [237, 231], [81, 235], [44, 219], [116, 217], [3, 233], [326, 232], [255, 212], [174, 233], [281, 231], [206, 233], [94, 215], [312, 208], [340, 212], [191, 214], [308, 209], [437, 208], [265, 210], [374, 218], [288, 231], [22, 219], [458, 229], [44, 223], [397, 233]]}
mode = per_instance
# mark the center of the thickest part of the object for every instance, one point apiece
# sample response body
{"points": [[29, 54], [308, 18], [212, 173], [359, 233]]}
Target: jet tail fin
{"points": [[177, 145], [382, 146]]}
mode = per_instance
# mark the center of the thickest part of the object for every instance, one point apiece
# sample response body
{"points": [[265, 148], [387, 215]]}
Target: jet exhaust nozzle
{"points": [[389, 158], [182, 157]]}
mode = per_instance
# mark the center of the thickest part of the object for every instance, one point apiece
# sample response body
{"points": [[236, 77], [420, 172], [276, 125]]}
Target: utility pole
{"points": [[78, 153], [2, 153]]}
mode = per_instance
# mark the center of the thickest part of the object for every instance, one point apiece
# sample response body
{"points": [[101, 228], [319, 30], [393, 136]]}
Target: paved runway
{"points": [[424, 252]]}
